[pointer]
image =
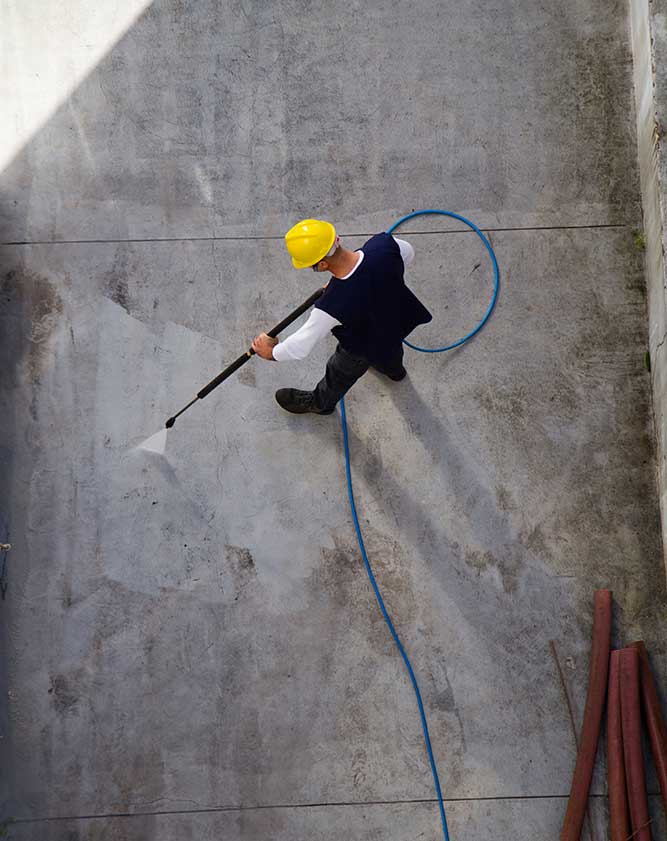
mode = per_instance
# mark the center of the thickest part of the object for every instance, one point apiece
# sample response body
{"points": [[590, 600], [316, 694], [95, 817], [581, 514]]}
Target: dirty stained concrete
{"points": [[192, 649]]}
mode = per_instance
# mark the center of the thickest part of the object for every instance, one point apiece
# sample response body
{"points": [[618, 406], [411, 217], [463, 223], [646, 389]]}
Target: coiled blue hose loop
{"points": [[353, 508], [496, 275]]}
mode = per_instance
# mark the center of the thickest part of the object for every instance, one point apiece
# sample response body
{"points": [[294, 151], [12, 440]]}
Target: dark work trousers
{"points": [[343, 370]]}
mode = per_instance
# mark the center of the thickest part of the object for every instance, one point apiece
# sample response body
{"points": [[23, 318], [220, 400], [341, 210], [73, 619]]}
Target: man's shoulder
{"points": [[382, 255], [377, 241]]}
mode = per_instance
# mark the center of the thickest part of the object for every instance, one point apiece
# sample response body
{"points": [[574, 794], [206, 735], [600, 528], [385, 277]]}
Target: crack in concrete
{"points": [[661, 342], [343, 234], [166, 799], [334, 804]]}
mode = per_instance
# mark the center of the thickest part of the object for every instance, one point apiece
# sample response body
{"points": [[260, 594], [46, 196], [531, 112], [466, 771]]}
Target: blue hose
{"points": [[353, 508], [496, 275]]}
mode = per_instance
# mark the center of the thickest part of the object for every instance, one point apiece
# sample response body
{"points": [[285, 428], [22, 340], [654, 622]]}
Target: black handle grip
{"points": [[229, 370]]}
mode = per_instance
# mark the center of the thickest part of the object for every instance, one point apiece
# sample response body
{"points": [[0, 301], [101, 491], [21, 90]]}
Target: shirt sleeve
{"points": [[407, 251], [303, 340]]}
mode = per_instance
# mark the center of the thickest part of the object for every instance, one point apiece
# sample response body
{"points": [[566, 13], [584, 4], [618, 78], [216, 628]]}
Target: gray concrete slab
{"points": [[195, 632], [239, 118], [199, 627]]}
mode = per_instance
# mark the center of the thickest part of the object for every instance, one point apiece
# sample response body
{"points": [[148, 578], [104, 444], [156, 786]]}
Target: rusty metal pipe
{"points": [[590, 732], [655, 723], [619, 817], [632, 744]]}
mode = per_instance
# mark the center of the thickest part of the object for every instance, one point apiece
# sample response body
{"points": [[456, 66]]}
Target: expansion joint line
{"points": [[340, 804], [251, 238]]}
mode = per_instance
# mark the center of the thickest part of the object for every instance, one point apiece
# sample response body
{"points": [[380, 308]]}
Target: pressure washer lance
{"points": [[229, 370]]}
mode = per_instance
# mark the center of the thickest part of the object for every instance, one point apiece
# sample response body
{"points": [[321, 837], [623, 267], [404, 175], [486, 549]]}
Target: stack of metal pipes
{"points": [[623, 679]]}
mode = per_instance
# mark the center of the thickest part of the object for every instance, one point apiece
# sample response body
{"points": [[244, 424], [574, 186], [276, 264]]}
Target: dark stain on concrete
{"points": [[242, 558], [373, 466], [116, 289], [504, 499], [510, 402], [625, 552], [116, 279], [508, 566], [337, 573], [359, 762], [601, 71], [72, 834], [67, 597], [440, 696], [342, 578], [444, 700], [534, 541], [241, 570], [248, 375], [64, 693], [32, 307], [479, 561]]}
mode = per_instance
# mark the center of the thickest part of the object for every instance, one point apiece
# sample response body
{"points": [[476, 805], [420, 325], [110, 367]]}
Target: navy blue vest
{"points": [[374, 306]]}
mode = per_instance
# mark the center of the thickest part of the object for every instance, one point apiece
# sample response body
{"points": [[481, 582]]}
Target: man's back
{"points": [[375, 308]]}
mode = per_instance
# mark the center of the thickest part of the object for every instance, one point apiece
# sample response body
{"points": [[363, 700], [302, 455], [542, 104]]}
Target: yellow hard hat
{"points": [[309, 241]]}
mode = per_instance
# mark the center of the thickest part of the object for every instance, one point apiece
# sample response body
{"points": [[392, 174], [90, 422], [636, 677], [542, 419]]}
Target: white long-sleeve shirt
{"points": [[319, 323]]}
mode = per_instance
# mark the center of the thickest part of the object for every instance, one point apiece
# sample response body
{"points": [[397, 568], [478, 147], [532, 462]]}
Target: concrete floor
{"points": [[192, 649]]}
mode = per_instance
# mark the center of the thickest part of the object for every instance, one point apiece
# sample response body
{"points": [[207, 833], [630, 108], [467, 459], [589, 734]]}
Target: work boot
{"points": [[298, 402], [396, 375]]}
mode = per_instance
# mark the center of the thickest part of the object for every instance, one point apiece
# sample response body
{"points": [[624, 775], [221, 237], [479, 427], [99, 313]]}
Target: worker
{"points": [[365, 304]]}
